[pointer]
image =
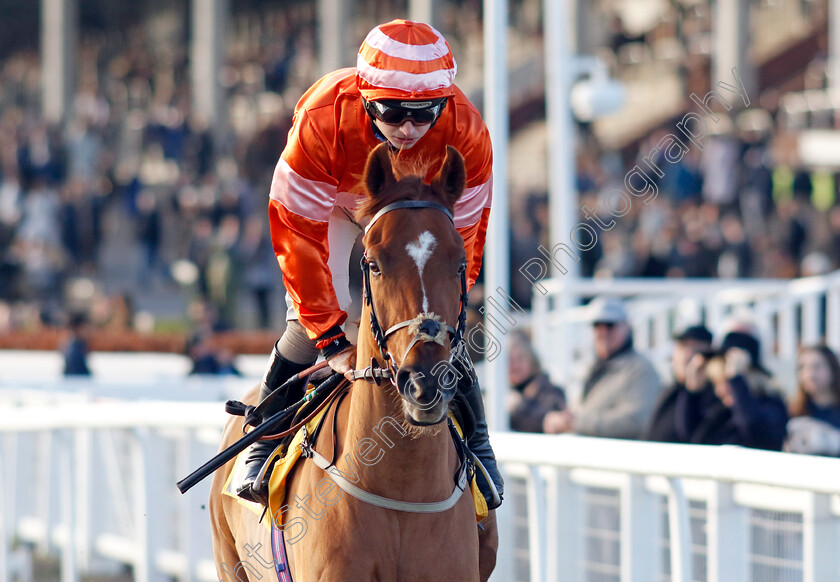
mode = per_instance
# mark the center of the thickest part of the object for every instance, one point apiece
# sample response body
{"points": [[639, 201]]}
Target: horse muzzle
{"points": [[426, 395]]}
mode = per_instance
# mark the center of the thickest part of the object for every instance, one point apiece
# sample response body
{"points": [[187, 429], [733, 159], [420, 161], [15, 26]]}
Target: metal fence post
{"points": [[69, 566], [820, 540], [678, 521], [564, 529], [536, 524], [147, 508], [728, 536], [639, 531], [504, 571]]}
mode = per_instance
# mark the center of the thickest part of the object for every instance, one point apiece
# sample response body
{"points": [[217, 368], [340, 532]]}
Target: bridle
{"points": [[374, 373]]}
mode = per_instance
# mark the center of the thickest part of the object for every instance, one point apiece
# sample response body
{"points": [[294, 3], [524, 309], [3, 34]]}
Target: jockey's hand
{"points": [[344, 361], [339, 353]]}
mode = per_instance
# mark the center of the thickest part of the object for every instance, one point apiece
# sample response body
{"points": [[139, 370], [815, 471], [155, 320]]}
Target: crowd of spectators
{"points": [[188, 202], [719, 391], [741, 207], [133, 164]]}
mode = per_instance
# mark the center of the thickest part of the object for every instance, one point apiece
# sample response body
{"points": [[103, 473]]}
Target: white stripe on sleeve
{"points": [[473, 201], [308, 198]]}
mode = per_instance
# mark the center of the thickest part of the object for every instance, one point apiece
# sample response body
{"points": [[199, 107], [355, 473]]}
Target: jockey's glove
{"points": [[337, 350]]}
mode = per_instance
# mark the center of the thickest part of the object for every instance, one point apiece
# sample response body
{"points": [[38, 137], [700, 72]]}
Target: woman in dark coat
{"points": [[532, 395]]}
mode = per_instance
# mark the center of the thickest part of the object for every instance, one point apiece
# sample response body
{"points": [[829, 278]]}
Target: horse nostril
{"points": [[413, 386], [404, 383], [429, 327]]}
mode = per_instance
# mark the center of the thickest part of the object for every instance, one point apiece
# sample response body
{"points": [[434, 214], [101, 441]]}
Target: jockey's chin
{"points": [[403, 144], [403, 136]]}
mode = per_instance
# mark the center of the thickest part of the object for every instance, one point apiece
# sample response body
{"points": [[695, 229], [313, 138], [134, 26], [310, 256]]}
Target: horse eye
{"points": [[374, 268], [462, 268]]}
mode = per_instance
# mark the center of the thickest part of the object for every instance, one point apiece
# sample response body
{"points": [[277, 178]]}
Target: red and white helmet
{"points": [[405, 60]]}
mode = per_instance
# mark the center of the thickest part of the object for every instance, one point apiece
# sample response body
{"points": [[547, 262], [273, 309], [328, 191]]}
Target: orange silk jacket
{"points": [[321, 167]]}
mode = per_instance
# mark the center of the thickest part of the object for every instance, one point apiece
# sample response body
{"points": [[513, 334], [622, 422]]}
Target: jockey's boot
{"points": [[489, 478], [278, 371]]}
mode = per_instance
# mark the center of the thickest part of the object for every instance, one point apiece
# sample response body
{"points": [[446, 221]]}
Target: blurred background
{"points": [[137, 145], [134, 189]]}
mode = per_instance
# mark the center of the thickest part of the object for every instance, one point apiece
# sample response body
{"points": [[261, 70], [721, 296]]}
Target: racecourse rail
{"points": [[88, 475]]}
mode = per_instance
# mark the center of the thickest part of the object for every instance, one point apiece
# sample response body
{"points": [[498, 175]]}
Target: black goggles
{"points": [[396, 112]]}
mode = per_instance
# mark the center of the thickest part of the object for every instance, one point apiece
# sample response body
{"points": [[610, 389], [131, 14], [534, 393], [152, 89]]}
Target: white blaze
{"points": [[420, 251]]}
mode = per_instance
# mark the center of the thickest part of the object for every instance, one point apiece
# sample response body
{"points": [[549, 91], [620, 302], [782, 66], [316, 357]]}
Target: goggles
{"points": [[397, 112]]}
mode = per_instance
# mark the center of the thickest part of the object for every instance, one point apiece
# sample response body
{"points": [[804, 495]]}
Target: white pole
{"points": [[834, 45], [209, 29], [731, 42], [496, 268], [69, 566], [5, 573], [59, 33], [423, 11], [332, 35], [562, 197]]}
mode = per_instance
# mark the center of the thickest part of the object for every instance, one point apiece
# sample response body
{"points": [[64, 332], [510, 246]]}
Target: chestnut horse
{"points": [[389, 438]]}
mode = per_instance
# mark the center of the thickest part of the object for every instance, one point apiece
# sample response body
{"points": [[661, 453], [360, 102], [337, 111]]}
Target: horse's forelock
{"points": [[403, 167], [409, 166]]}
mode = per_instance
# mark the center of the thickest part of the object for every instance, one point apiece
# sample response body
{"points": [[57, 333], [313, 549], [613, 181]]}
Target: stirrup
{"points": [[257, 490]]}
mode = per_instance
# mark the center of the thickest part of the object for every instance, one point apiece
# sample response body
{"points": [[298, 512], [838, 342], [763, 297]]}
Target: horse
{"points": [[391, 443]]}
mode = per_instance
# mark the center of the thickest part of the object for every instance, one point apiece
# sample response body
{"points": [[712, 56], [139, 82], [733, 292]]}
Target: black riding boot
{"points": [[479, 441], [278, 371]]}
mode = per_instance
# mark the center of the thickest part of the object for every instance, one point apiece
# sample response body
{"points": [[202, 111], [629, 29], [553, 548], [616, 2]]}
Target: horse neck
{"points": [[425, 458]]}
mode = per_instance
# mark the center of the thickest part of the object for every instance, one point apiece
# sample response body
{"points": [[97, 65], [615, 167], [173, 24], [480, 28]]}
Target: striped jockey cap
{"points": [[407, 60]]}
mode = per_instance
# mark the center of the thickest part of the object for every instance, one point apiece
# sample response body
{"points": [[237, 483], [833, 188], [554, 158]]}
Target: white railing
{"points": [[96, 480], [787, 313], [92, 482], [601, 509]]}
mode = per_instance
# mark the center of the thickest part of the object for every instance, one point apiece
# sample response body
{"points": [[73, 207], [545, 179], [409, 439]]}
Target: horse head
{"points": [[415, 282]]}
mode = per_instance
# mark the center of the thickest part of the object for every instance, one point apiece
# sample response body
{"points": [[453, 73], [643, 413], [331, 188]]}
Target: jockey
{"points": [[401, 92]]}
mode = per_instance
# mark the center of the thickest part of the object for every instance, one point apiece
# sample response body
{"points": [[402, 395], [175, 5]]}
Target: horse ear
{"points": [[378, 171], [452, 178]]}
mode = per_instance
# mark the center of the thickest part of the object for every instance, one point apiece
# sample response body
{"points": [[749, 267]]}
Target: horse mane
{"points": [[415, 167]]}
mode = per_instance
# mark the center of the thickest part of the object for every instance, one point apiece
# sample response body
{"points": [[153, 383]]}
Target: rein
{"points": [[374, 373]]}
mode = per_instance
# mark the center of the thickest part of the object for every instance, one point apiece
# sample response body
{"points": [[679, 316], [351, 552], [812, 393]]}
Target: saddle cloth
{"points": [[288, 458]]}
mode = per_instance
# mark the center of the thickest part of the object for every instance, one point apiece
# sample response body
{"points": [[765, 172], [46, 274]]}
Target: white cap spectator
{"points": [[607, 310]]}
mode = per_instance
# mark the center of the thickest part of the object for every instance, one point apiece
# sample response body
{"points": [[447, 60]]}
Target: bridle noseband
{"points": [[372, 373]]}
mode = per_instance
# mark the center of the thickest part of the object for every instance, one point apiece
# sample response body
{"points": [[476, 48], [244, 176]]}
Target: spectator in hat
{"points": [[747, 410], [814, 426], [693, 341], [621, 388], [533, 395]]}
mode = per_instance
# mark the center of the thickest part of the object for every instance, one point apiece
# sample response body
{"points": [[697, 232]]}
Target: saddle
{"points": [[282, 461], [302, 443]]}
